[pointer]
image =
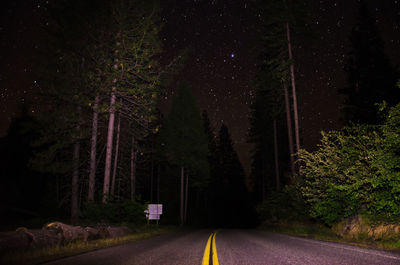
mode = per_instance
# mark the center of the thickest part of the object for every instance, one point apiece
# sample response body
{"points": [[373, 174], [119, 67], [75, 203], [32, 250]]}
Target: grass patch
{"points": [[37, 256], [393, 245], [323, 233]]}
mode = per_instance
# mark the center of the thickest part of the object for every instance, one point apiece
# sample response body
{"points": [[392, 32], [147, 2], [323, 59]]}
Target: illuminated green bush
{"points": [[355, 170]]}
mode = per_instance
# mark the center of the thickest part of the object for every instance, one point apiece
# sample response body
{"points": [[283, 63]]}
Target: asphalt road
{"points": [[233, 247]]}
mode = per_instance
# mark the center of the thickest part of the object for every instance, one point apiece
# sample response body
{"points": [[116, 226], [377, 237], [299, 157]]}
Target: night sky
{"points": [[223, 38]]}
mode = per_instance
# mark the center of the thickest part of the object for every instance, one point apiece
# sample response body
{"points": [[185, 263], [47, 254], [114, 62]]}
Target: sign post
{"points": [[153, 212]]}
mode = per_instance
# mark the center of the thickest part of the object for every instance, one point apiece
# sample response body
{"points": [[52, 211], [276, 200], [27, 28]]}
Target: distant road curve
{"points": [[248, 247]]}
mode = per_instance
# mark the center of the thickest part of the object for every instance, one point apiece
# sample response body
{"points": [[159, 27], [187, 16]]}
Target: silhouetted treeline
{"points": [[370, 75]]}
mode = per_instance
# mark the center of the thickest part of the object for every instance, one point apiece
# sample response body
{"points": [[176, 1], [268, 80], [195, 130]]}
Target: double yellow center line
{"points": [[210, 253]]}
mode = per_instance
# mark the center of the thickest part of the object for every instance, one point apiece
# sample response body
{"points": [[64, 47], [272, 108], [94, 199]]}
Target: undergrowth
{"points": [[36, 256]]}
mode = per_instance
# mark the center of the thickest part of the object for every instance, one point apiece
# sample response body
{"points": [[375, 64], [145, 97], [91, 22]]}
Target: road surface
{"points": [[232, 247]]}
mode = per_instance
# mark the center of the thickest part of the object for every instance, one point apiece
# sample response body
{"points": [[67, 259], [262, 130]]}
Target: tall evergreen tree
{"points": [[371, 77], [272, 100], [62, 128], [185, 142], [102, 52], [277, 69], [213, 187], [67, 91], [133, 71], [23, 191], [267, 110], [212, 144], [231, 200]]}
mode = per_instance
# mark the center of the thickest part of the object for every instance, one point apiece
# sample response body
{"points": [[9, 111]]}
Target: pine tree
{"points": [[371, 78], [185, 142], [133, 71], [267, 109], [22, 192], [62, 128], [277, 72], [210, 198], [93, 149], [231, 199], [68, 90], [97, 53]]}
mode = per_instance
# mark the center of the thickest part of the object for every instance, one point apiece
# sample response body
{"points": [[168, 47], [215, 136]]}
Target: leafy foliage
{"points": [[355, 170], [386, 184], [336, 175]]}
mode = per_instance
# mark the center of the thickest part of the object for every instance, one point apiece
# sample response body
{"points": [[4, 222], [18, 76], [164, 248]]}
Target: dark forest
{"points": [[225, 119]]}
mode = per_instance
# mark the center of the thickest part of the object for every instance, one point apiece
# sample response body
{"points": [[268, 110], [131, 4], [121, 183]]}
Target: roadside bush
{"points": [[355, 170], [337, 177], [115, 212], [386, 183], [283, 205]]}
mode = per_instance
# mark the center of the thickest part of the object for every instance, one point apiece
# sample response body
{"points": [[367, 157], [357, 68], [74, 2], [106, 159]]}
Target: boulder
{"points": [[24, 239], [41, 238], [53, 234], [15, 240], [66, 233], [114, 231], [91, 233]]}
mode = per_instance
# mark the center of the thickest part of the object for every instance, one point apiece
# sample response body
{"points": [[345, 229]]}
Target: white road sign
{"points": [[153, 211]]}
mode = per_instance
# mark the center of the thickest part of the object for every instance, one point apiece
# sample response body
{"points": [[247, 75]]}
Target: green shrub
{"points": [[386, 183], [283, 205], [115, 212], [355, 170]]}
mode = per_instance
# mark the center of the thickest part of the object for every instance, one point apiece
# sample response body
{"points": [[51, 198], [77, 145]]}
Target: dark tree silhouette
{"points": [[232, 207], [212, 190], [24, 193], [371, 77], [185, 144]]}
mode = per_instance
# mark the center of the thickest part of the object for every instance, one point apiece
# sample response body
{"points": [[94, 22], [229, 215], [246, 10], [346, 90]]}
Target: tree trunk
{"points": [[116, 156], [276, 157], [263, 181], [57, 189], [92, 169], [133, 170], [75, 184], [158, 182], [75, 176], [110, 134], [289, 127], [186, 199], [182, 193], [151, 175], [294, 94], [119, 184]]}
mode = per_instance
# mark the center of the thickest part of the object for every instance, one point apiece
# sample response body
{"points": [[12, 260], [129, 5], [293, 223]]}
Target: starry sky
{"points": [[223, 38]]}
